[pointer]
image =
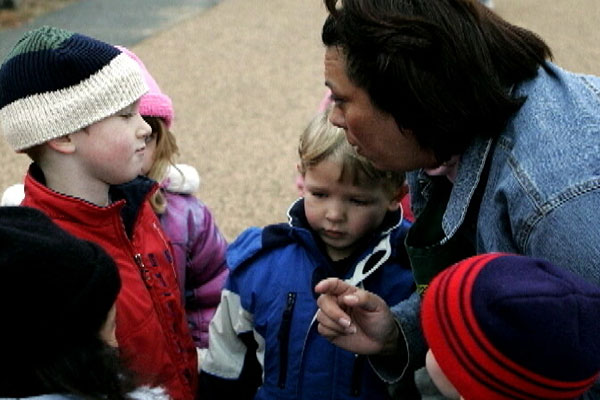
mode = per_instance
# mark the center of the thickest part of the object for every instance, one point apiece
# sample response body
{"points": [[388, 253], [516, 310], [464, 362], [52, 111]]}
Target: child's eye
{"points": [[128, 114], [360, 202], [318, 194]]}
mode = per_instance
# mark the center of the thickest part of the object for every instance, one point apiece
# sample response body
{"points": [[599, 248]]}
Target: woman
{"points": [[502, 146]]}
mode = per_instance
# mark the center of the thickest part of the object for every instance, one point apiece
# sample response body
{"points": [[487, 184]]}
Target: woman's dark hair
{"points": [[444, 69]]}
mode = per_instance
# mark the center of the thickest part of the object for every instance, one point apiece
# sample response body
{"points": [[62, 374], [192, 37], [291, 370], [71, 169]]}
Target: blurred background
{"points": [[246, 76]]}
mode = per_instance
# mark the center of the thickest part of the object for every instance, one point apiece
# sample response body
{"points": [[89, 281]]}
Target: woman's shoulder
{"points": [[557, 102]]}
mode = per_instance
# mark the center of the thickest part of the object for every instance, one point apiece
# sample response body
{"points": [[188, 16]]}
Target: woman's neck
{"points": [[449, 169]]}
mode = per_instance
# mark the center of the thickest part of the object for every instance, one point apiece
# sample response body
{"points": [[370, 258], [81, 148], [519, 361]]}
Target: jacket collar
{"points": [[298, 223], [297, 218], [469, 175], [127, 200]]}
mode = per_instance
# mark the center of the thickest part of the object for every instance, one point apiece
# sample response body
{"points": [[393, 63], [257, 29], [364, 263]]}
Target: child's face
{"points": [[439, 378], [112, 150], [339, 212], [108, 329], [149, 152]]}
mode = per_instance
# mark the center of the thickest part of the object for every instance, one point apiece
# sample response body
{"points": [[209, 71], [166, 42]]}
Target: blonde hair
{"points": [[321, 140], [166, 149]]}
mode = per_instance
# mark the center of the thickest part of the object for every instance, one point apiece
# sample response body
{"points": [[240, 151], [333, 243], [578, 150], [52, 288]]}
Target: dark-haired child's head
{"points": [[57, 304]]}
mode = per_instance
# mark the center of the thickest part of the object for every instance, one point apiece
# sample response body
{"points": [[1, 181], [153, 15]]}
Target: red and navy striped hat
{"points": [[55, 82], [503, 326]]}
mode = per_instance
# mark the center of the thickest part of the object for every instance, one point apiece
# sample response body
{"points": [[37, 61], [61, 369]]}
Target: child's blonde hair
{"points": [[166, 150], [321, 140]]}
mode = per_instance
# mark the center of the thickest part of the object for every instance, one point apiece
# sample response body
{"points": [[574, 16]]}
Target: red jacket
{"points": [[152, 331]]}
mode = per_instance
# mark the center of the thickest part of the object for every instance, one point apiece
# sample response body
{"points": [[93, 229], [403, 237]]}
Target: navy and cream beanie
{"points": [[55, 82], [504, 326], [58, 289]]}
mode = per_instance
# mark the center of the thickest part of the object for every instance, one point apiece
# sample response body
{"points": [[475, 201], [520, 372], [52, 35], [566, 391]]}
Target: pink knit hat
{"points": [[154, 103]]}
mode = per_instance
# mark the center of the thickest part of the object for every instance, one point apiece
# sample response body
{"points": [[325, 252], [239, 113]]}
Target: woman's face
{"points": [[373, 133]]}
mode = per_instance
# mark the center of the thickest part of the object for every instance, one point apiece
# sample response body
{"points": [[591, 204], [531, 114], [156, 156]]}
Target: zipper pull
{"points": [[291, 301], [143, 270]]}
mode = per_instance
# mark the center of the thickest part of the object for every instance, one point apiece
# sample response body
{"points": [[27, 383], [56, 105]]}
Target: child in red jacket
{"points": [[70, 102]]}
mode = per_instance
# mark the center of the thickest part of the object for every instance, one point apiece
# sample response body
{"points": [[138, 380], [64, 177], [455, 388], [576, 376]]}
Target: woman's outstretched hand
{"points": [[355, 319]]}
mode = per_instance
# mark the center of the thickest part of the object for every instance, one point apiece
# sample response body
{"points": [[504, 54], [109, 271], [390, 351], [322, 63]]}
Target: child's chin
{"points": [[124, 179]]}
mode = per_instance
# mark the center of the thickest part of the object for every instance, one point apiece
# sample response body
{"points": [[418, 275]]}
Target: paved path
{"points": [[246, 75], [115, 21]]}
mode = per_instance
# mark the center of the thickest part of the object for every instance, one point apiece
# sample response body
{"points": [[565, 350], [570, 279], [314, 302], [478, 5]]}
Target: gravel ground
{"points": [[246, 75]]}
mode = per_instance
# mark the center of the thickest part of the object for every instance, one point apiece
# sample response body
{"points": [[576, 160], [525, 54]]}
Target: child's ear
{"points": [[62, 144], [299, 181], [394, 204], [397, 197]]}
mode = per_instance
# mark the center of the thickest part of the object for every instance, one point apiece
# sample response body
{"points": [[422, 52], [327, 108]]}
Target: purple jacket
{"points": [[199, 250]]}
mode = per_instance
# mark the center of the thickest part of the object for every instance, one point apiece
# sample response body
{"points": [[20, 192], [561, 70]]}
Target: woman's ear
{"points": [[63, 144]]}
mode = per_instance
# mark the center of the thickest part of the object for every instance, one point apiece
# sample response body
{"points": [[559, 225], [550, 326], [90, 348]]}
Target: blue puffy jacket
{"points": [[263, 340]]}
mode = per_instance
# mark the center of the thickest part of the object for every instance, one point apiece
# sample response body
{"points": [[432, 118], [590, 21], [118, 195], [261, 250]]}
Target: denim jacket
{"points": [[541, 192]]}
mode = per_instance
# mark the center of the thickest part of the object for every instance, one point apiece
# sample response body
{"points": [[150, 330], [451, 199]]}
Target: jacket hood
{"points": [[182, 179], [256, 241]]}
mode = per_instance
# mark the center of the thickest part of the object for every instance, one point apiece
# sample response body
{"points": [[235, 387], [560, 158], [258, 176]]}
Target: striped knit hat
{"points": [[512, 327], [55, 82]]}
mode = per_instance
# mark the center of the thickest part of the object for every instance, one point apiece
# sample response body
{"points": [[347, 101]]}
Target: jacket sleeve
{"points": [[411, 343], [205, 271], [230, 369]]}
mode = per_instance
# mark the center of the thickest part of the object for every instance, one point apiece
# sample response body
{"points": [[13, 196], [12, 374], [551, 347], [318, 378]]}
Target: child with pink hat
{"points": [[199, 247]]}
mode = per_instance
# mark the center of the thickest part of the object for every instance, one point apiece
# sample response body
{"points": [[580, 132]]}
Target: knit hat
{"points": [[57, 289], [55, 82], [504, 326], [154, 103]]}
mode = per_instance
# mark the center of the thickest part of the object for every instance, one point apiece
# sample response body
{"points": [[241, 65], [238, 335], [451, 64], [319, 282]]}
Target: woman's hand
{"points": [[355, 319]]}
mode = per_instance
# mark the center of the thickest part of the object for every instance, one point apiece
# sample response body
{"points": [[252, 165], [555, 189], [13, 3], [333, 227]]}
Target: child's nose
{"points": [[335, 211], [144, 129]]}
